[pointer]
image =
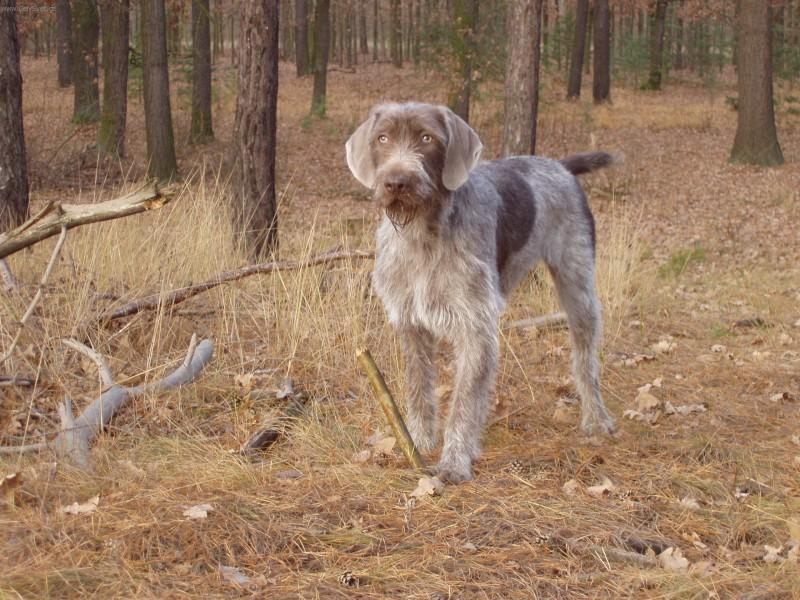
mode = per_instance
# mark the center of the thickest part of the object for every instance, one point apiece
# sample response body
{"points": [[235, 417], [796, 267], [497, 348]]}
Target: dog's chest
{"points": [[433, 285]]}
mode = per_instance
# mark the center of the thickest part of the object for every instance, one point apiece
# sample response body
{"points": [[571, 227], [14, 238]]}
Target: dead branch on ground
{"points": [[9, 281], [389, 407], [551, 322], [55, 216], [75, 436], [174, 297], [32, 306]]}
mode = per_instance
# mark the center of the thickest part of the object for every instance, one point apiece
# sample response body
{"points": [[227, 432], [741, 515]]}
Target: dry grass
{"points": [[493, 537]]}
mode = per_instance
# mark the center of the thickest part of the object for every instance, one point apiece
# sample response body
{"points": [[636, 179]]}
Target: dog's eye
{"points": [[383, 138], [426, 138]]}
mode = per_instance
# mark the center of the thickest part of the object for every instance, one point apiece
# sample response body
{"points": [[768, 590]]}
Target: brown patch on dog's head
{"points": [[412, 155]]}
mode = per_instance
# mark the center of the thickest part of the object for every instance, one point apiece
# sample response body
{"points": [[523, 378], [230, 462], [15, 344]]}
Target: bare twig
{"points": [[32, 306], [389, 408], [553, 322], [15, 380], [75, 435], [55, 216], [174, 297], [102, 366], [8, 276]]}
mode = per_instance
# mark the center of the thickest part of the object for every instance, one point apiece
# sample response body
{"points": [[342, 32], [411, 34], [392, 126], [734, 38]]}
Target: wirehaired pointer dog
{"points": [[456, 239]]}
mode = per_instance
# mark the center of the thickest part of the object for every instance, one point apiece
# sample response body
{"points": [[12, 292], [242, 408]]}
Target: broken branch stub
{"points": [[389, 407]]}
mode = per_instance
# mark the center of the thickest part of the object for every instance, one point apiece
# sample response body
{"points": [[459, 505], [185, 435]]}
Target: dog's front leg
{"points": [[420, 347], [476, 363]]}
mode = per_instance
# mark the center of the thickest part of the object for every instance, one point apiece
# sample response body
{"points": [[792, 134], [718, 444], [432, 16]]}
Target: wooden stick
{"points": [[390, 409], [553, 321], [174, 297], [50, 220], [24, 320]]}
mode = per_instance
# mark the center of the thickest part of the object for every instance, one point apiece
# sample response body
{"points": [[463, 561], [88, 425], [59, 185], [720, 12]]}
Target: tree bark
{"points": [[395, 34], [522, 77], [362, 30], [301, 37], [255, 129], [13, 167], [114, 18], [322, 24], [464, 43], [85, 30], [201, 128], [657, 44], [756, 139], [578, 49], [601, 86], [162, 163], [375, 23], [64, 42]]}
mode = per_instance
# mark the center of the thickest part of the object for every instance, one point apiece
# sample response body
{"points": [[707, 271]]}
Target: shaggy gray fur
{"points": [[457, 238]]}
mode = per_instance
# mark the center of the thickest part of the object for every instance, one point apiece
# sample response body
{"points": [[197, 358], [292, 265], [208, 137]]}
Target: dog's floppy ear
{"points": [[359, 158], [463, 151]]}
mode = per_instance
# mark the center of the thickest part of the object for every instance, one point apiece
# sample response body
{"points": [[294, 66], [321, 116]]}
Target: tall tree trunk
{"points": [[578, 49], [115, 23], [255, 128], [64, 42], [679, 62], [362, 31], [201, 129], [13, 167], [395, 33], [85, 29], [465, 44], [301, 36], [657, 24], [522, 77], [375, 23], [162, 163], [601, 86], [756, 139], [322, 25]]}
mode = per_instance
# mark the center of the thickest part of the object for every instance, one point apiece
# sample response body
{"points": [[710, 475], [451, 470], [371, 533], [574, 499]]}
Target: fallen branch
{"points": [[175, 297], [552, 322], [76, 435], [9, 280], [55, 216], [32, 306], [390, 409], [603, 552]]}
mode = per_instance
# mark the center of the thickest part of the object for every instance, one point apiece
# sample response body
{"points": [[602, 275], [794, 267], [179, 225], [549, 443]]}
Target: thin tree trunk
{"points": [[464, 40], [375, 23], [201, 129], [162, 163], [255, 128], [756, 139], [522, 83], [657, 44], [322, 24], [13, 167], [578, 50], [64, 42], [115, 21], [85, 29], [301, 37], [601, 86], [362, 31], [395, 34]]}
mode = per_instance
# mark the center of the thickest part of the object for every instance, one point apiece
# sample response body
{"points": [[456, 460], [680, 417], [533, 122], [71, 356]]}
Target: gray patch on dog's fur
{"points": [[446, 272]]}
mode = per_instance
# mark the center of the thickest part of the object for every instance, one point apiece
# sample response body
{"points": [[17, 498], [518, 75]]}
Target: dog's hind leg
{"points": [[419, 348], [574, 280]]}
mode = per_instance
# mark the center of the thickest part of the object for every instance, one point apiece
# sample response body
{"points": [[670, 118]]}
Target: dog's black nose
{"points": [[396, 184]]}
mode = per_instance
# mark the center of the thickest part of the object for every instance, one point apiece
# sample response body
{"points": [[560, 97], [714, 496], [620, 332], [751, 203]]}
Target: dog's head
{"points": [[412, 155]]}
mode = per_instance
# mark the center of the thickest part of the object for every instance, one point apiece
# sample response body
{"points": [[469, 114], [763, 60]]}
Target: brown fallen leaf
{"points": [[773, 554], [198, 511], [363, 456], [672, 559], [428, 486], [84, 508], [8, 484], [570, 488], [234, 575], [385, 446], [601, 489]]}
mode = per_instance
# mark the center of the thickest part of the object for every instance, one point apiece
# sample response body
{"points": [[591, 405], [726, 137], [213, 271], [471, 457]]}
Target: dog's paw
{"points": [[599, 425], [454, 470]]}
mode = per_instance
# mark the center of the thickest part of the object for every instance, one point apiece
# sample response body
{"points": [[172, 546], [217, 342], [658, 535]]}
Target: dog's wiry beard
{"points": [[400, 214]]}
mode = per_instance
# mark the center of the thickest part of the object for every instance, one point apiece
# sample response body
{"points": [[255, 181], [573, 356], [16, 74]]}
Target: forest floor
{"points": [[699, 273]]}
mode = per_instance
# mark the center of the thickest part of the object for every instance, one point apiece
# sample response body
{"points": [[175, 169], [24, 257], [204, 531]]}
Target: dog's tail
{"points": [[586, 162]]}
